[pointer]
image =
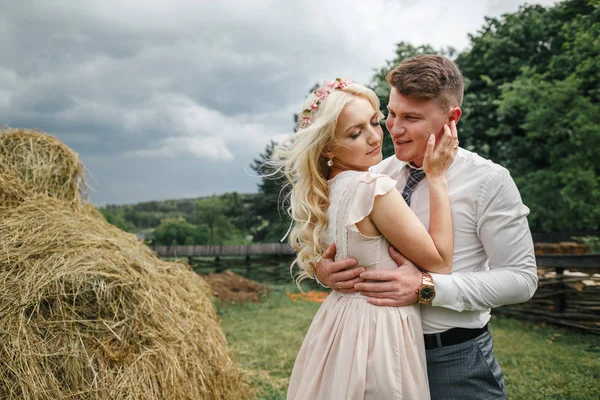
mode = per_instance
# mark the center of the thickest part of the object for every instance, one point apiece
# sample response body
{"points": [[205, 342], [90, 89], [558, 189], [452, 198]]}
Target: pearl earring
{"points": [[330, 163]]}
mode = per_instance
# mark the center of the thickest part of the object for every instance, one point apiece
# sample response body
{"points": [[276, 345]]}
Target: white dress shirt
{"points": [[494, 261]]}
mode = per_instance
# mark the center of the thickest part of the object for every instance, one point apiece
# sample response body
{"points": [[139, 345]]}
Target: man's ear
{"points": [[455, 113]]}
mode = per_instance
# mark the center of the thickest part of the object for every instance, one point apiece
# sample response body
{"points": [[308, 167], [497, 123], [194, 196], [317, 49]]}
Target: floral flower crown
{"points": [[305, 119]]}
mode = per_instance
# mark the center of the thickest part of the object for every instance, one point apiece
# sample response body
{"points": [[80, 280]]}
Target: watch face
{"points": [[427, 293]]}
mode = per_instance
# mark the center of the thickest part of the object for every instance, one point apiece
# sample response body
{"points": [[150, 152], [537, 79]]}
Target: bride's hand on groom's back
{"points": [[337, 274]]}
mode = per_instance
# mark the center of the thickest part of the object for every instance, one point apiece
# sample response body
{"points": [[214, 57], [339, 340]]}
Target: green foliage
{"points": [[147, 215], [240, 211], [497, 54], [224, 219], [531, 104], [214, 215], [173, 232], [115, 218], [593, 242], [269, 205]]}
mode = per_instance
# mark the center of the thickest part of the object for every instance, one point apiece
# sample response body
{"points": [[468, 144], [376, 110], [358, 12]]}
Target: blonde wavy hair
{"points": [[301, 159]]}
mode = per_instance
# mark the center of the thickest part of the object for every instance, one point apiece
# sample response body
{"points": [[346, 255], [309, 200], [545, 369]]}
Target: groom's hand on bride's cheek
{"points": [[335, 274], [392, 288]]}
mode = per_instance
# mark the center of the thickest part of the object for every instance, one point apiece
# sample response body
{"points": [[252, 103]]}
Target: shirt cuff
{"points": [[446, 292]]}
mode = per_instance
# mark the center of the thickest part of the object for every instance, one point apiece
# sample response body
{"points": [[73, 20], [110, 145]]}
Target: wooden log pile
{"points": [[569, 297], [560, 248]]}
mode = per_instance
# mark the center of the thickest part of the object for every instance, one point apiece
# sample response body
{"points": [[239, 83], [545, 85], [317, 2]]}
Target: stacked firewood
{"points": [[569, 297]]}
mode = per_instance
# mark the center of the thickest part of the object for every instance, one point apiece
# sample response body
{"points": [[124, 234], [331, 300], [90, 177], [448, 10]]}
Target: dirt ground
{"points": [[233, 288]]}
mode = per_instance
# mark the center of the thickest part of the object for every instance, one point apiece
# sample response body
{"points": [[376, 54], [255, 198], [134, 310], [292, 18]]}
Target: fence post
{"points": [[248, 265], [561, 299]]}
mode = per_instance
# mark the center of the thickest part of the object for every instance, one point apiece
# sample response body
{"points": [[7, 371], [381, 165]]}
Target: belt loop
{"points": [[438, 339]]}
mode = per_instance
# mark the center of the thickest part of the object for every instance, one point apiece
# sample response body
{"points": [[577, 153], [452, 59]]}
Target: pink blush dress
{"points": [[354, 350]]}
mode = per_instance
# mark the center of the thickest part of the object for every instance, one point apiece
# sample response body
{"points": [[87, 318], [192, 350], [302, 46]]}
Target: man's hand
{"points": [[334, 273], [394, 288]]}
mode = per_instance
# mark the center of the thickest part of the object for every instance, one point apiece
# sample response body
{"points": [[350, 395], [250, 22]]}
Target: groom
{"points": [[494, 262]]}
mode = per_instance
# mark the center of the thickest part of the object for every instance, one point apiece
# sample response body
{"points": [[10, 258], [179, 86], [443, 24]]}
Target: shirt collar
{"points": [[409, 165], [403, 164]]}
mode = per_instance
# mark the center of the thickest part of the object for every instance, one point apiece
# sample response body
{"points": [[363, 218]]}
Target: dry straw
{"points": [[33, 164], [87, 311]]}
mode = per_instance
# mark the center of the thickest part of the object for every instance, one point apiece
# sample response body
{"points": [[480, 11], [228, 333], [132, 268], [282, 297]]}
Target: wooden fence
{"points": [[268, 261], [568, 288], [568, 293], [224, 250]]}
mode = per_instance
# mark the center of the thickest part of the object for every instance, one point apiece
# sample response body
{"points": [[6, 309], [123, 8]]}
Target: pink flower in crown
{"points": [[304, 121], [344, 82], [321, 93], [330, 85], [341, 83]]}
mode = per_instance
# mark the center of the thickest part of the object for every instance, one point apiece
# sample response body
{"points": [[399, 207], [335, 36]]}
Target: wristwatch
{"points": [[426, 292]]}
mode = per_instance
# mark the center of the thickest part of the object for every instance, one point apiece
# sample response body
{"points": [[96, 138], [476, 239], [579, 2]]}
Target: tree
{"points": [[176, 232], [497, 55], [532, 105], [240, 212], [211, 217], [140, 219], [113, 217], [270, 203]]}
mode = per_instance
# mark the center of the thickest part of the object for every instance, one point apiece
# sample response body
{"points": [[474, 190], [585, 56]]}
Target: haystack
{"points": [[33, 164], [87, 311]]}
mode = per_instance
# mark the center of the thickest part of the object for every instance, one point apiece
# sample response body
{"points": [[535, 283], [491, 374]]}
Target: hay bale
{"points": [[12, 191], [88, 311], [34, 164]]}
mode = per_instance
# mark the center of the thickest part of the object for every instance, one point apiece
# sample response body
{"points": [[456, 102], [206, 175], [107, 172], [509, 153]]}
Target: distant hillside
{"points": [[148, 215]]}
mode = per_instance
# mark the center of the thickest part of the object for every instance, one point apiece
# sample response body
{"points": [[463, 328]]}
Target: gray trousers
{"points": [[465, 371]]}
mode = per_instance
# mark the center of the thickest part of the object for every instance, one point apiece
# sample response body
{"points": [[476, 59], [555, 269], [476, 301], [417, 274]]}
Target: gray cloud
{"points": [[172, 98]]}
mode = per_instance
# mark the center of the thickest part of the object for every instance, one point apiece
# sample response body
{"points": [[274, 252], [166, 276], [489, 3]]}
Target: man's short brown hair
{"points": [[428, 77]]}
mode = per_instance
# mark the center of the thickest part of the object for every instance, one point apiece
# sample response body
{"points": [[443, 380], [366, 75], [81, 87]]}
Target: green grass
{"points": [[546, 362], [266, 337], [539, 362]]}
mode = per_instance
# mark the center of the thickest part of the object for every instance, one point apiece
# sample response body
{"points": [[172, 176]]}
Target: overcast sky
{"points": [[168, 99]]}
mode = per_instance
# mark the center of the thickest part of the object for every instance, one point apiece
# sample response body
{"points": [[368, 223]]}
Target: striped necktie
{"points": [[415, 176]]}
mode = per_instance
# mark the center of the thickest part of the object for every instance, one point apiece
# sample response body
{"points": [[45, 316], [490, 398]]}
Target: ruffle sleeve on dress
{"points": [[368, 186]]}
